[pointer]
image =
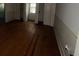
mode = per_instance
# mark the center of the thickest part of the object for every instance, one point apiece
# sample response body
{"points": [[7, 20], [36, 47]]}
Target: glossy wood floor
{"points": [[27, 39]]}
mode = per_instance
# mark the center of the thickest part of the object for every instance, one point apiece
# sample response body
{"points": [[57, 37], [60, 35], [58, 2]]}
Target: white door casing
{"points": [[37, 13], [49, 13]]}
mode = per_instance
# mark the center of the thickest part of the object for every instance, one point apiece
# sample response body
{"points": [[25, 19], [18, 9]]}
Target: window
{"points": [[32, 7], [1, 5]]}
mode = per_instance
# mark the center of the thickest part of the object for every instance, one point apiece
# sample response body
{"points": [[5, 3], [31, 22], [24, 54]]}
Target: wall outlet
{"points": [[67, 50]]}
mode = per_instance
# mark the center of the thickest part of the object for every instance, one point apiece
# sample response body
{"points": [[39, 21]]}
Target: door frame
{"points": [[37, 13]]}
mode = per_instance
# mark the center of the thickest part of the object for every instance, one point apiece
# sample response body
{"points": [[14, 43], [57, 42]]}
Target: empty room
{"points": [[39, 29]]}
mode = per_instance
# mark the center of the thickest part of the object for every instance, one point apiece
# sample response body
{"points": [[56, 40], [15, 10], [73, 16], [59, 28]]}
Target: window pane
{"points": [[33, 5], [32, 10]]}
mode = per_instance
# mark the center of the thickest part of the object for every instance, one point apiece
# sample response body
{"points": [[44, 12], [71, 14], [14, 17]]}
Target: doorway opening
{"points": [[35, 12], [32, 12], [2, 13]]}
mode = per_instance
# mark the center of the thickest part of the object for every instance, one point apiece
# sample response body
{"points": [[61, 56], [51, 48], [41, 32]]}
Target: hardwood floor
{"points": [[27, 39]]}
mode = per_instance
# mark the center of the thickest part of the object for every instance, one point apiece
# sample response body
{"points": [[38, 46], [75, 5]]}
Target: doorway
{"points": [[41, 13], [32, 12], [35, 12], [2, 13]]}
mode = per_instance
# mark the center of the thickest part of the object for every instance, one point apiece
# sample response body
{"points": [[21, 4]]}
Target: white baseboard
{"points": [[66, 39]]}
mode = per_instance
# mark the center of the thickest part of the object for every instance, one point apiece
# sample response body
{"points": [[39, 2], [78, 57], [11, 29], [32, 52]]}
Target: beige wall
{"points": [[12, 11], [68, 14], [65, 37]]}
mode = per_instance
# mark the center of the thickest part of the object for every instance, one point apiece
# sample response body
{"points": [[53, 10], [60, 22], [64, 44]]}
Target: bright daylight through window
{"points": [[32, 7]]}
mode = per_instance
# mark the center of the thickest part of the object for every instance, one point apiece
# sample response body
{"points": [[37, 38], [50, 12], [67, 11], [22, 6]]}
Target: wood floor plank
{"points": [[26, 38]]}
